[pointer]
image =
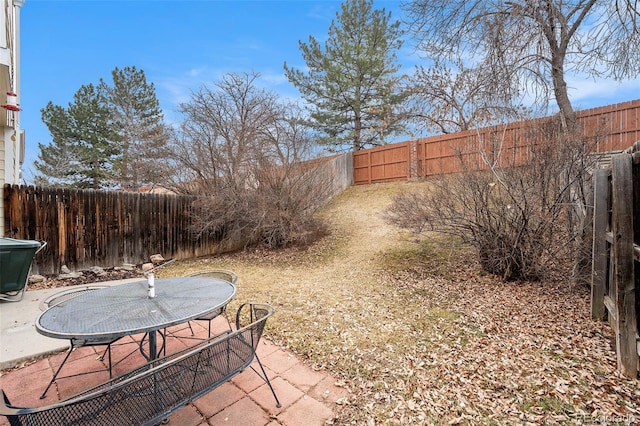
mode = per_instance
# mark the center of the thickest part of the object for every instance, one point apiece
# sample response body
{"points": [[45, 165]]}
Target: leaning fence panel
{"points": [[615, 281]]}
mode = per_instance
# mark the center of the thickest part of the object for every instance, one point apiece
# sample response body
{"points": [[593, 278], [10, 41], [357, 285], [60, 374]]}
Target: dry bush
{"points": [[273, 216], [274, 208], [239, 149], [285, 199], [518, 212]]}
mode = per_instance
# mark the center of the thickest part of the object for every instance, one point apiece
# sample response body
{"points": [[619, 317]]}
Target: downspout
{"points": [[18, 138]]}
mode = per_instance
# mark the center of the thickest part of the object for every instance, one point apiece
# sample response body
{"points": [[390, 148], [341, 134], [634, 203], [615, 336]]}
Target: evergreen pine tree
{"points": [[352, 83], [108, 137], [139, 121], [83, 148]]}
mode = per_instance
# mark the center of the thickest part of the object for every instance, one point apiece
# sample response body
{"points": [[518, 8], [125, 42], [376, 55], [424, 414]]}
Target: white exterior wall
{"points": [[11, 136]]}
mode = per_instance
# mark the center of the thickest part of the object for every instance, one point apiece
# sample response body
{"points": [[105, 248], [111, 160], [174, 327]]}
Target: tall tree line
{"points": [[109, 136], [481, 59]]}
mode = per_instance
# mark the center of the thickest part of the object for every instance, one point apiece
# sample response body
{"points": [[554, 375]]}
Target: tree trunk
{"points": [[356, 133], [569, 120]]}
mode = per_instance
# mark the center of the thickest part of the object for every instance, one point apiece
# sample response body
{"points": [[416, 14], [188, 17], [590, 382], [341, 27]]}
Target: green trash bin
{"points": [[15, 262]]}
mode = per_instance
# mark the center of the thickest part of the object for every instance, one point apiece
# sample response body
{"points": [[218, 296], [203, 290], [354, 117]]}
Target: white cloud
{"points": [[589, 93], [195, 72], [274, 78]]}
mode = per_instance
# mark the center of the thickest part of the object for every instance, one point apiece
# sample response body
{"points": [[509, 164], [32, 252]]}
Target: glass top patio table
{"points": [[126, 309]]}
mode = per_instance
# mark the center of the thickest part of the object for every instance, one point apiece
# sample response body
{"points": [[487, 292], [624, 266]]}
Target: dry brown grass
{"points": [[419, 335]]}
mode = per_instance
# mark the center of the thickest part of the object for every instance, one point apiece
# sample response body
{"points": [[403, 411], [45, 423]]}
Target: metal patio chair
{"points": [[61, 297], [222, 274]]}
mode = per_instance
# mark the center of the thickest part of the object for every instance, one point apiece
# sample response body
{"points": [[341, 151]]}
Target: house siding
{"points": [[10, 140]]}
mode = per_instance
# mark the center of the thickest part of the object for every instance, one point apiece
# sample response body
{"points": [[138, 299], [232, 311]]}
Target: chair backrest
{"points": [[253, 316], [223, 274]]}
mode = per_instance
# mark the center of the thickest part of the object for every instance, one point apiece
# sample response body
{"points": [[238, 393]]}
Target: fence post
{"points": [[623, 283], [599, 252]]}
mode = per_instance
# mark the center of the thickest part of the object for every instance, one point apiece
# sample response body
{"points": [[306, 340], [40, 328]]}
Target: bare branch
{"points": [[532, 43]]}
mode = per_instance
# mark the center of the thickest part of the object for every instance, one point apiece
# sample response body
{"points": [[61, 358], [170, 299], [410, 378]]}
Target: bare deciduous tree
{"points": [[532, 44], [239, 149], [222, 129], [453, 99]]}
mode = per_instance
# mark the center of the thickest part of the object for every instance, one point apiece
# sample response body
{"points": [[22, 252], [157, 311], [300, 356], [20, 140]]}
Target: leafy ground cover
{"points": [[419, 335]]}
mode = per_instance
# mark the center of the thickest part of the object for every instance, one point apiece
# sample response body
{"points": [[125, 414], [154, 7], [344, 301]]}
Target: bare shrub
{"points": [[515, 207], [285, 200], [240, 151], [275, 212]]}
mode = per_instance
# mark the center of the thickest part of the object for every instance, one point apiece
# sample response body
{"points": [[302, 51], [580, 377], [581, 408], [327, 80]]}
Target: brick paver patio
{"points": [[308, 397]]}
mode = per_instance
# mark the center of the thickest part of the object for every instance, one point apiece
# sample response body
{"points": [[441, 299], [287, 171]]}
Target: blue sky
{"points": [[183, 44]]}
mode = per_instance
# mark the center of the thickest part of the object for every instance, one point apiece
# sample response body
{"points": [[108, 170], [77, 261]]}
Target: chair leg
{"points": [[211, 320], [266, 379], [111, 364], [226, 317], [55, 375], [110, 369], [158, 352], [107, 351], [183, 328], [71, 349], [163, 348]]}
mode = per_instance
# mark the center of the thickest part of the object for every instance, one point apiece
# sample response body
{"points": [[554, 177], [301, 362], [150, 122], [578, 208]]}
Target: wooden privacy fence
{"points": [[383, 164], [84, 228], [615, 278], [612, 127]]}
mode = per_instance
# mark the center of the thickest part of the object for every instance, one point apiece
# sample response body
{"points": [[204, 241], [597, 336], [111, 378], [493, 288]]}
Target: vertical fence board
{"points": [[623, 277], [600, 252], [636, 240], [50, 231], [29, 200], [62, 227]]}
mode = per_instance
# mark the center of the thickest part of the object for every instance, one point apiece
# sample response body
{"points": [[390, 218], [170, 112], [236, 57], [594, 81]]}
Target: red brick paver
{"points": [[306, 411]]}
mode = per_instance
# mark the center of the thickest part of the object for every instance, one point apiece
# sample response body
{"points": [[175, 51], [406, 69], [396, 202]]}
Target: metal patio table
{"points": [[126, 309]]}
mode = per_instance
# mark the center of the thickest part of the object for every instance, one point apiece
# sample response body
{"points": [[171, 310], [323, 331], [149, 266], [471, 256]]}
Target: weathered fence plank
{"points": [[615, 290], [623, 285], [600, 252]]}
